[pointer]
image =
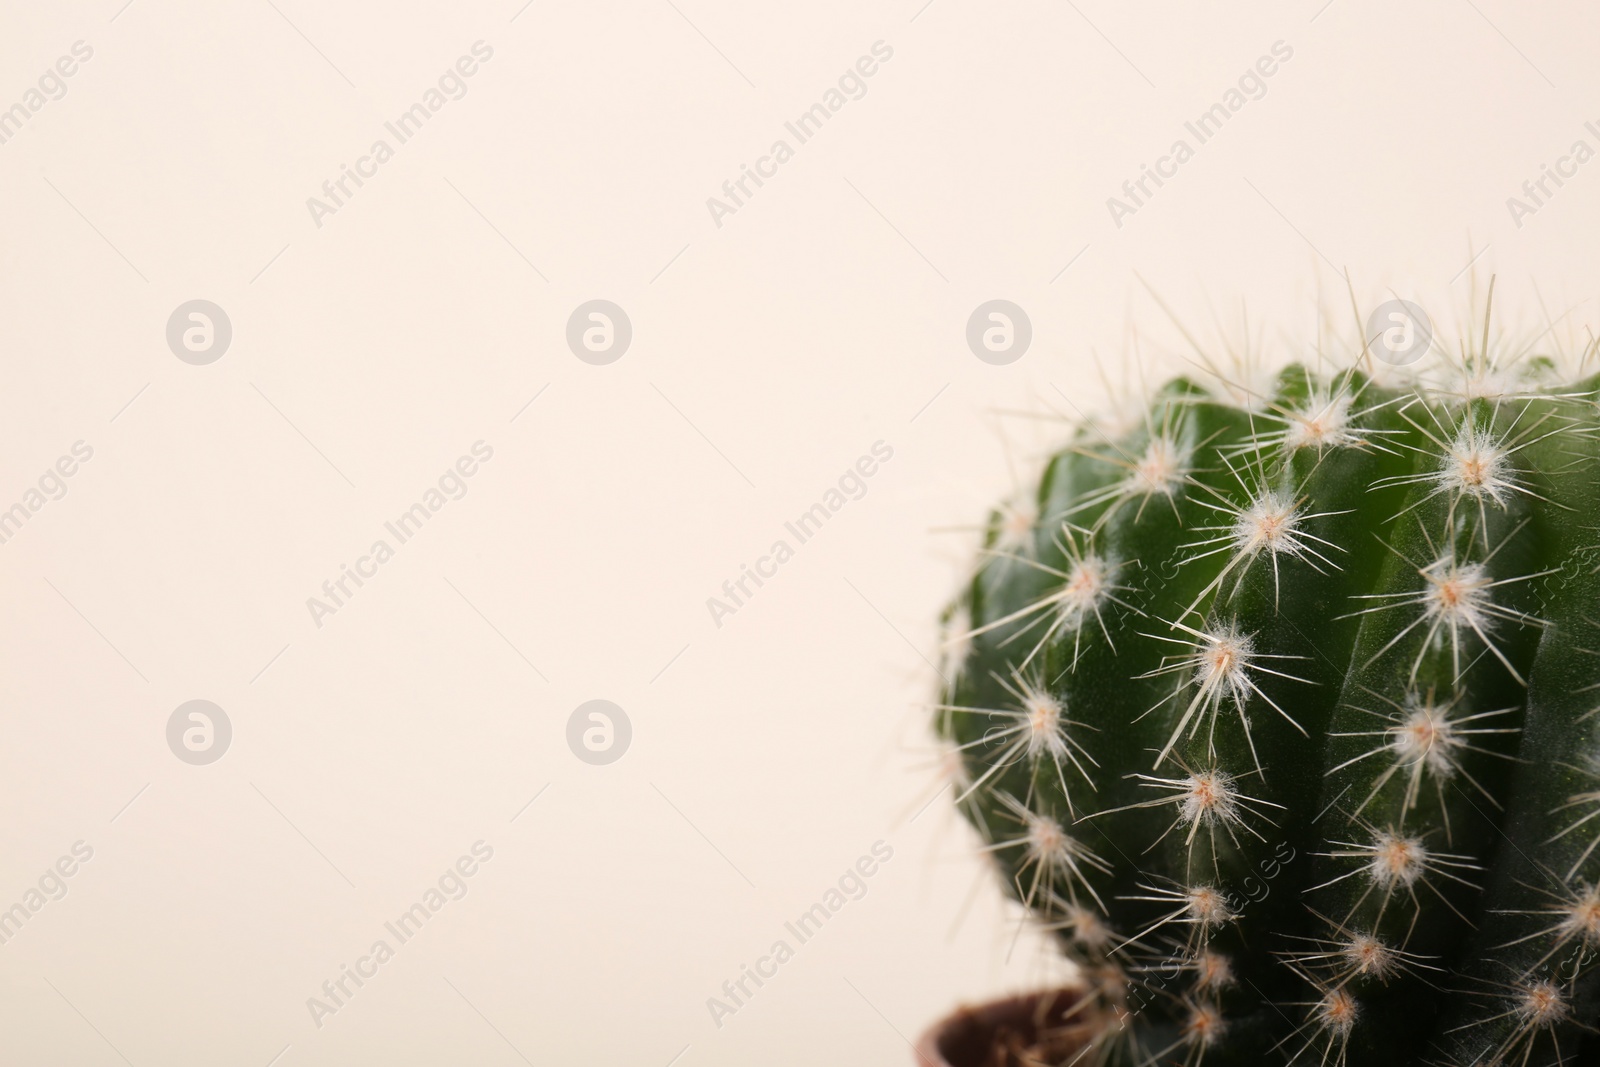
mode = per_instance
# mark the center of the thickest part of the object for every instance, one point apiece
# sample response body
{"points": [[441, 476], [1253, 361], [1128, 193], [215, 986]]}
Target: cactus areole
{"points": [[1284, 717]]}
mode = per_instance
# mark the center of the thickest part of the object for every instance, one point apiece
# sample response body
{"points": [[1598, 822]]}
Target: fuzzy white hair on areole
{"points": [[1392, 861], [1089, 584], [1035, 729], [1052, 860], [1208, 798], [1425, 738], [1220, 662], [1456, 600]]}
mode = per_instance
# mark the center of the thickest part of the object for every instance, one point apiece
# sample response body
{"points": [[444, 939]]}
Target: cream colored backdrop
{"points": [[376, 340]]}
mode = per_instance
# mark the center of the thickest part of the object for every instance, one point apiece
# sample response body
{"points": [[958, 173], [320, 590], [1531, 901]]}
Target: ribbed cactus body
{"points": [[1284, 717]]}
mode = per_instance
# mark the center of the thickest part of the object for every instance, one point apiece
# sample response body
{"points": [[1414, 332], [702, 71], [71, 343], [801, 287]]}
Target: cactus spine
{"points": [[1285, 718]]}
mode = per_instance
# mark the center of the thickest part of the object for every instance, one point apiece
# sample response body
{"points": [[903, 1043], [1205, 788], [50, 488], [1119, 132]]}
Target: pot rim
{"points": [[985, 1016]]}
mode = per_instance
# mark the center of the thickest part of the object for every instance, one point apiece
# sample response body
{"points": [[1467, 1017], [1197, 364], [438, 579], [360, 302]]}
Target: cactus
{"points": [[1282, 714]]}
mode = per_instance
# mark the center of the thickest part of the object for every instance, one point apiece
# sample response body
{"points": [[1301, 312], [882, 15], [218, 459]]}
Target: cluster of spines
{"points": [[1455, 598]]}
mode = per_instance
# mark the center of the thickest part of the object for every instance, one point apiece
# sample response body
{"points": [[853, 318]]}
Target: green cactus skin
{"points": [[1286, 720]]}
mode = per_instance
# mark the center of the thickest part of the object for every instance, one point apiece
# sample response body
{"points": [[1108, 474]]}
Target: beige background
{"points": [[768, 354]]}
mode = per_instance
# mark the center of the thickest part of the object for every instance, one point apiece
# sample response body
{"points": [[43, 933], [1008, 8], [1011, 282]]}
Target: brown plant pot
{"points": [[1050, 1026]]}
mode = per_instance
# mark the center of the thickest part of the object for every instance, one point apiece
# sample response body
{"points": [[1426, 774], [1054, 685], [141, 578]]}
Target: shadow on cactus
{"points": [[1284, 717]]}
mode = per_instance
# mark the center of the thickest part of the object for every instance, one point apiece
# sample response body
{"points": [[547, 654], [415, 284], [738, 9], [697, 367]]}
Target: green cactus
{"points": [[1284, 716]]}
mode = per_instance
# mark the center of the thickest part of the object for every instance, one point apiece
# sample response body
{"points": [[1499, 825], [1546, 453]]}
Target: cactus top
{"points": [[1285, 717]]}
